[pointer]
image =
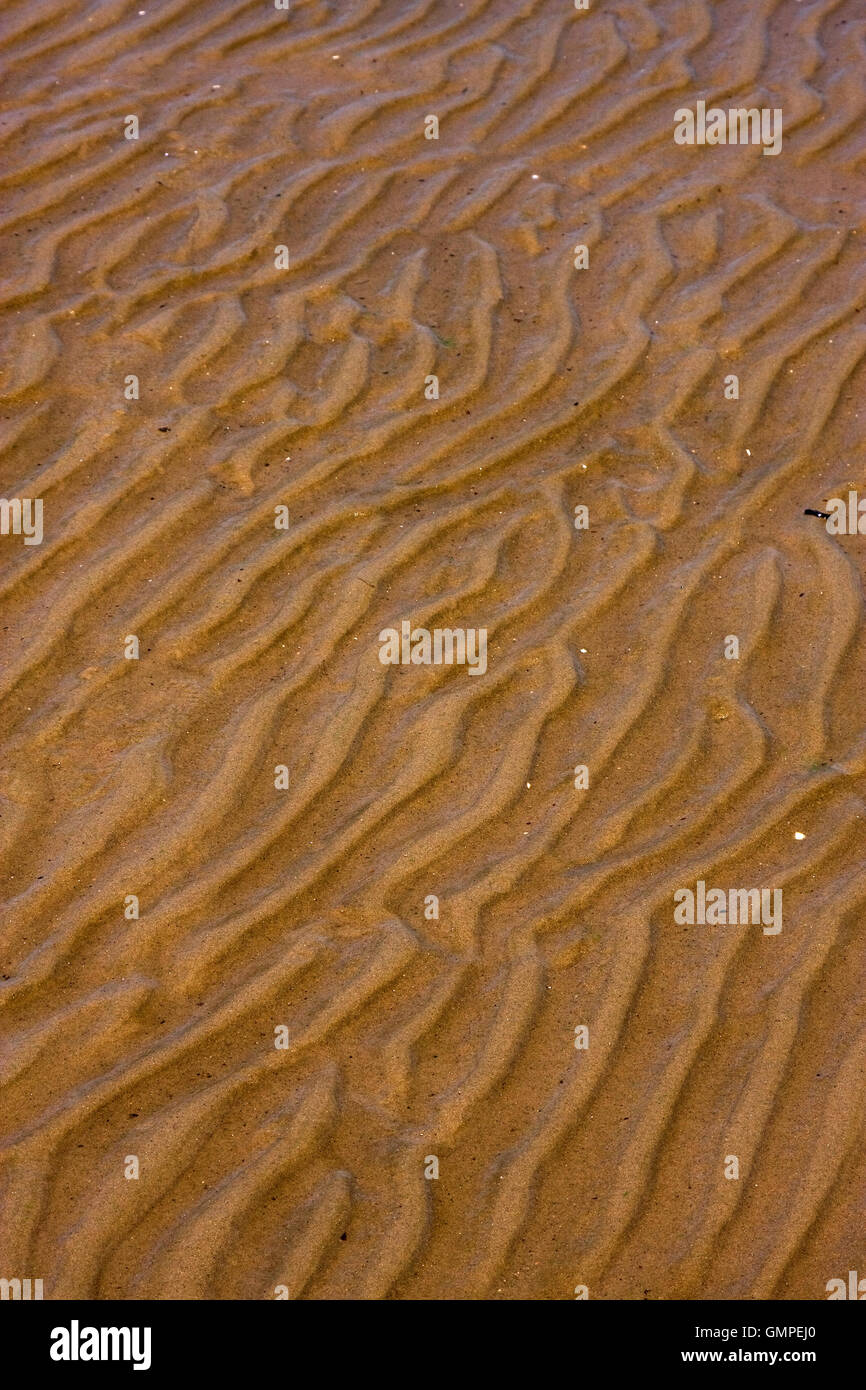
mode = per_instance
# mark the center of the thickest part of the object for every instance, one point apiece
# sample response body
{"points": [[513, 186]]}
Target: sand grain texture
{"points": [[304, 387]]}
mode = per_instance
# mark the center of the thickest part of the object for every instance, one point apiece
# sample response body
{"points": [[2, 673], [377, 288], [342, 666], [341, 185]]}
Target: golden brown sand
{"points": [[411, 1036]]}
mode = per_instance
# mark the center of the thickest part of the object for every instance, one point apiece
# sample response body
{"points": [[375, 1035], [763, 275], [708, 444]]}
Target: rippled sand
{"points": [[412, 1036]]}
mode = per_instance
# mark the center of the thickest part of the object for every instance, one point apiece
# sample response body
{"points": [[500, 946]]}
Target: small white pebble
{"points": [[798, 835]]}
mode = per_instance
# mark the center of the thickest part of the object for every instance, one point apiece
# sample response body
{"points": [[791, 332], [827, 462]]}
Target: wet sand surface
{"points": [[412, 1036]]}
